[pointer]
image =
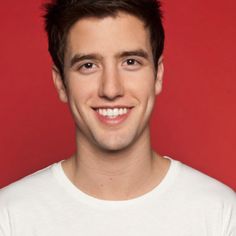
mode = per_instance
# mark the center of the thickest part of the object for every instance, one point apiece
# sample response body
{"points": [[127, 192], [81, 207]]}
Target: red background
{"points": [[195, 117]]}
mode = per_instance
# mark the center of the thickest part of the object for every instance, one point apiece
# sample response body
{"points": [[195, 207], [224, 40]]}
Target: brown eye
{"points": [[131, 62], [88, 68], [88, 65]]}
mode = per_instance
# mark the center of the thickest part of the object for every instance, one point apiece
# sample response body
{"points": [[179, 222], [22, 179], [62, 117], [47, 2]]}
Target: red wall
{"points": [[195, 116]]}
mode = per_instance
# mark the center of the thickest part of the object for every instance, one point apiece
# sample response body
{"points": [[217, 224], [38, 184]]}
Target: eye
{"points": [[87, 68], [131, 64]]}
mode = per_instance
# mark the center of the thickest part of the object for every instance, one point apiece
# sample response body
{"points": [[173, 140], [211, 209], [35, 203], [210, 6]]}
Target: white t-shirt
{"points": [[185, 203]]}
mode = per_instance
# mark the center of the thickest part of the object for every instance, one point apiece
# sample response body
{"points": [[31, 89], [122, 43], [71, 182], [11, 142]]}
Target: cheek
{"points": [[80, 93], [143, 85], [145, 92], [80, 88]]}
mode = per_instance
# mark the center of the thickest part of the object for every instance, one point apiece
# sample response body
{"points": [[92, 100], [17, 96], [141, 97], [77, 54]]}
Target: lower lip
{"points": [[113, 121]]}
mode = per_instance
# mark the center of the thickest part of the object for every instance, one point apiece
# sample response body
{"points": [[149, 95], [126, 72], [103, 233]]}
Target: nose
{"points": [[111, 84]]}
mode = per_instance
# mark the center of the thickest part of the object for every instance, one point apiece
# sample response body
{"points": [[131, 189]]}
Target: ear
{"points": [[159, 76], [59, 85]]}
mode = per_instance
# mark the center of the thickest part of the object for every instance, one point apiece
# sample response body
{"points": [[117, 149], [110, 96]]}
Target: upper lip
{"points": [[112, 107]]}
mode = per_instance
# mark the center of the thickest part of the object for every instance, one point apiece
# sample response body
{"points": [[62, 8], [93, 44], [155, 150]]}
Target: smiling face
{"points": [[110, 81]]}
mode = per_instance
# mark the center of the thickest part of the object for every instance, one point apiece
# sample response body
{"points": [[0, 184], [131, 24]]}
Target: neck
{"points": [[115, 175]]}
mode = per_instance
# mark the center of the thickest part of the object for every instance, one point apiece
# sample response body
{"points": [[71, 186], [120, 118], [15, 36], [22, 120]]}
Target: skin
{"points": [[108, 64]]}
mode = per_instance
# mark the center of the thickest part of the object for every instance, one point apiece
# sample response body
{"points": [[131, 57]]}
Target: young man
{"points": [[108, 67]]}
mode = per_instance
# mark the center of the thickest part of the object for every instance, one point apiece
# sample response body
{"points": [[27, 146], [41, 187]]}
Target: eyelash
{"points": [[134, 61], [135, 64], [85, 64]]}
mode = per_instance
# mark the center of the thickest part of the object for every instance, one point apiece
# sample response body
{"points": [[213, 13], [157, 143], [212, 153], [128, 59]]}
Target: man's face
{"points": [[111, 80]]}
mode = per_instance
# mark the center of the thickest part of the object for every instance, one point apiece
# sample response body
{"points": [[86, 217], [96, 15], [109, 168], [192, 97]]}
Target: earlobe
{"points": [[159, 76], [59, 85]]}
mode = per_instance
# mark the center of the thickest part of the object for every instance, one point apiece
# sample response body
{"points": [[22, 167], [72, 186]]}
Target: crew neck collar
{"points": [[81, 196]]}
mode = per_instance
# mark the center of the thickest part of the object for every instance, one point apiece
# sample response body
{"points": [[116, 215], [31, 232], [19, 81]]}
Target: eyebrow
{"points": [[95, 56], [138, 53]]}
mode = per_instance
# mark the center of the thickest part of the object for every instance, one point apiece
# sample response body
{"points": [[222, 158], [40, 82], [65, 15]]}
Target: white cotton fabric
{"points": [[186, 203]]}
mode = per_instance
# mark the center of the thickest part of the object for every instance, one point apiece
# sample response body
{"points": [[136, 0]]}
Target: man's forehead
{"points": [[123, 26]]}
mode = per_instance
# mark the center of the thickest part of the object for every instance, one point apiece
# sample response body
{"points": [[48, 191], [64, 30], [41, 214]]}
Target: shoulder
{"points": [[27, 187], [214, 199], [205, 188], [21, 200]]}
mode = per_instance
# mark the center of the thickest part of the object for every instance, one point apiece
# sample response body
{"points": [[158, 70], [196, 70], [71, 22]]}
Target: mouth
{"points": [[114, 115], [112, 112]]}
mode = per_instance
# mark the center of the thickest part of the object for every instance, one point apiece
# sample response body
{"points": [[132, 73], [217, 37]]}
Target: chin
{"points": [[115, 145]]}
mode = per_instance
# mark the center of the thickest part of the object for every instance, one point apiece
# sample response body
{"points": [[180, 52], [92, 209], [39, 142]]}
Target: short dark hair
{"points": [[61, 15]]}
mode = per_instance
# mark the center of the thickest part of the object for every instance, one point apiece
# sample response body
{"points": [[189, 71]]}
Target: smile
{"points": [[112, 112], [112, 115]]}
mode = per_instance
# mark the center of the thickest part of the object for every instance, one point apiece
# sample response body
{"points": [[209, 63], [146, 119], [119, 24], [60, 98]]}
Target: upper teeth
{"points": [[112, 112]]}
